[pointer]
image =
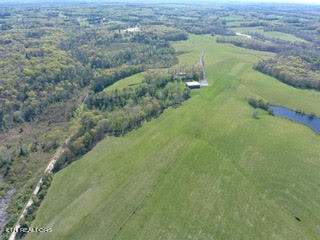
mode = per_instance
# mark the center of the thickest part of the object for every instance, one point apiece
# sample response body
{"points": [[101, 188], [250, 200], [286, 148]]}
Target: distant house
{"points": [[193, 84], [134, 29]]}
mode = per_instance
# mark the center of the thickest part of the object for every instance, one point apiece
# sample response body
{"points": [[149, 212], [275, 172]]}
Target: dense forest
{"points": [[53, 73]]}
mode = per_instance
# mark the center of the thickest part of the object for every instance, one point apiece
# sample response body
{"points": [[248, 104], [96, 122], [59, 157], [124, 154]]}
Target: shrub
{"points": [[259, 104]]}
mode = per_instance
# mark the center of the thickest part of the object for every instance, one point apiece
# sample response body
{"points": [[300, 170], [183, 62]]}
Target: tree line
{"points": [[119, 111], [291, 70], [296, 64]]}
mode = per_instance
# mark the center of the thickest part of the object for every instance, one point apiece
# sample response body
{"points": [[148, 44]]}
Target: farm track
{"points": [[48, 169], [203, 82]]}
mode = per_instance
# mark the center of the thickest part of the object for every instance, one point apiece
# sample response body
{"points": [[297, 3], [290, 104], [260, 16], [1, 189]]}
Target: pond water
{"points": [[312, 122]]}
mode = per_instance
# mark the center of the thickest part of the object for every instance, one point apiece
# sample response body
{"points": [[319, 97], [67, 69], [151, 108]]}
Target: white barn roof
{"points": [[193, 84]]}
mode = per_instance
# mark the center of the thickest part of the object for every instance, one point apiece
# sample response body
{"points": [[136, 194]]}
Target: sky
{"points": [[187, 1], [289, 1]]}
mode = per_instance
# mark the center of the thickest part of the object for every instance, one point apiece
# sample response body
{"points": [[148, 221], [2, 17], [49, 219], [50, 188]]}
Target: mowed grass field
{"points": [[205, 170], [271, 34], [131, 81]]}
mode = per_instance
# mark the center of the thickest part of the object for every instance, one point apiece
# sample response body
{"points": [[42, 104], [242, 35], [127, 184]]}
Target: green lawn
{"points": [[234, 24], [131, 81], [273, 34], [233, 20], [205, 170]]}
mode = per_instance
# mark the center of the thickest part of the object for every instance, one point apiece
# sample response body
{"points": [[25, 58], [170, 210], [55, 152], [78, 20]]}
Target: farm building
{"points": [[193, 84]]}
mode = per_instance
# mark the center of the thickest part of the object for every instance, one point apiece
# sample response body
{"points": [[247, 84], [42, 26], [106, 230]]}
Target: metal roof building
{"points": [[193, 84]]}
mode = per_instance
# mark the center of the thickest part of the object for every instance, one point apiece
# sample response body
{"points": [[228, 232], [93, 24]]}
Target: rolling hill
{"points": [[204, 170]]}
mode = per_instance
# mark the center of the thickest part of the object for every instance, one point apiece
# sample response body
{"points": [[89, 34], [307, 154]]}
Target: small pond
{"points": [[311, 121]]}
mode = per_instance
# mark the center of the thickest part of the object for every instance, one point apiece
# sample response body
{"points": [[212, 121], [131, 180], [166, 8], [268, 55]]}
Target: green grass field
{"points": [[131, 81], [205, 170], [233, 20], [273, 34]]}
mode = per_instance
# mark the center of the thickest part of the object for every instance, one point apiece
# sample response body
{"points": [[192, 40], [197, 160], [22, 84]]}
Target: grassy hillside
{"points": [[131, 81], [206, 170], [271, 34]]}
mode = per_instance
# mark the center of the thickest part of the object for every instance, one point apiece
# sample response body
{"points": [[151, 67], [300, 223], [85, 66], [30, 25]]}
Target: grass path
{"points": [[205, 170]]}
